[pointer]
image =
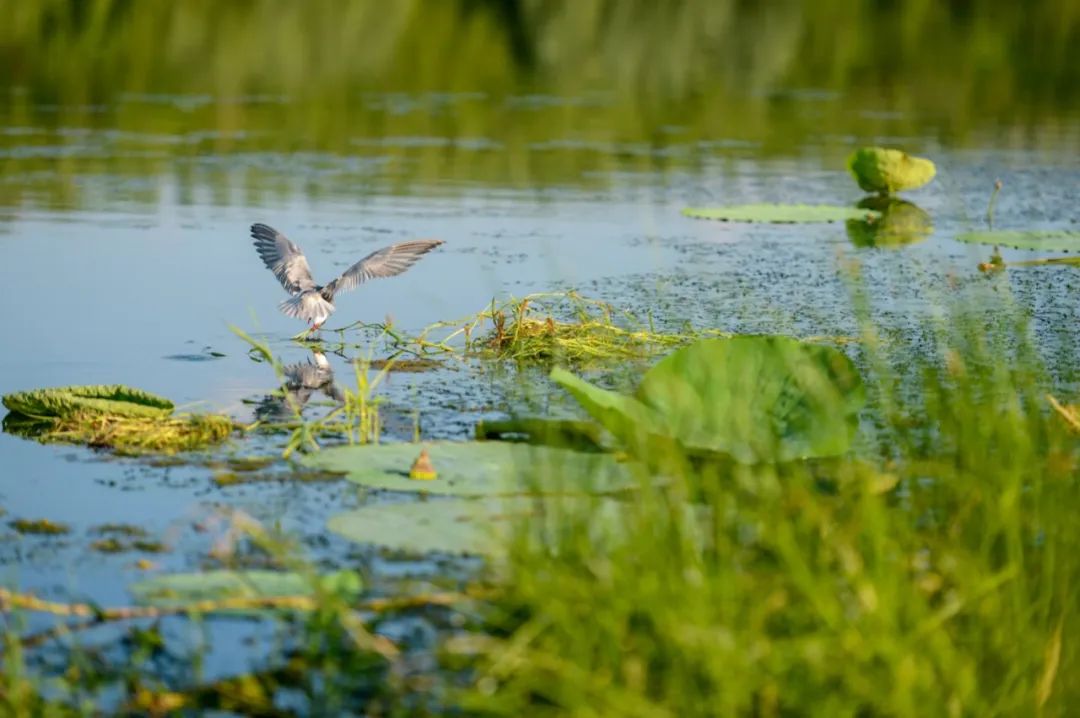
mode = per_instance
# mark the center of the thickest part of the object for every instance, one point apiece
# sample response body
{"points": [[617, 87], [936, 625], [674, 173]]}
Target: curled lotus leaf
{"points": [[888, 171], [112, 399]]}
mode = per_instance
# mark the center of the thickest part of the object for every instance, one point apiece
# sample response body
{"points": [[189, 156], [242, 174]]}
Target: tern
{"points": [[315, 303]]}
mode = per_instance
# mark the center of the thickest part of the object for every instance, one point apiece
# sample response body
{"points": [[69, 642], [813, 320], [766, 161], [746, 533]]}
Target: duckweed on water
{"points": [[119, 529], [112, 544]]}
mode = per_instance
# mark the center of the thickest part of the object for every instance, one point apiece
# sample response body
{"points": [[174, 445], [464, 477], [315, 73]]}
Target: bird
{"points": [[312, 302]]}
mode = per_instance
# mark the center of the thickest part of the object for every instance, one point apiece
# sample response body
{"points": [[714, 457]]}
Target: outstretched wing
{"points": [[283, 258], [386, 262]]}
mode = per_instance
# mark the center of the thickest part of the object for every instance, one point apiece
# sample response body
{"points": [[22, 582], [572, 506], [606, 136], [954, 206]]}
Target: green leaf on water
{"points": [[780, 213], [181, 589], [1042, 240], [887, 171], [114, 400], [754, 399], [475, 526], [475, 468]]}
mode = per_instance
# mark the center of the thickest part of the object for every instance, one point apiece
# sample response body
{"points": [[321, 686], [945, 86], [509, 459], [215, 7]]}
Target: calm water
{"points": [[126, 257]]}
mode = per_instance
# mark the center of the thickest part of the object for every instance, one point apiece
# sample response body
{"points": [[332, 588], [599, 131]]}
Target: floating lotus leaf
{"points": [[184, 589], [780, 213], [752, 398], [900, 223], [887, 171], [1062, 240], [478, 526], [471, 526], [477, 468], [114, 400]]}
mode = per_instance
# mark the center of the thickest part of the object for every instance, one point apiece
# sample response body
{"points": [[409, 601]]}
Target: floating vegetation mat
{"points": [[542, 328], [131, 435], [126, 420], [587, 329]]}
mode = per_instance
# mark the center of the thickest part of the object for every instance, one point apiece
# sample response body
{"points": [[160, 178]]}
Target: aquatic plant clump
{"points": [[117, 417], [539, 328], [140, 435], [887, 171], [527, 330]]}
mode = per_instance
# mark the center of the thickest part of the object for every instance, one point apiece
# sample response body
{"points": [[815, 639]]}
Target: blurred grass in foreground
{"points": [[277, 97], [935, 574]]}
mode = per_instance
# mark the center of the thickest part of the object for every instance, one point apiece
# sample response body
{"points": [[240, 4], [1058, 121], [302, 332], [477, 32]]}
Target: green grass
{"points": [[935, 574]]}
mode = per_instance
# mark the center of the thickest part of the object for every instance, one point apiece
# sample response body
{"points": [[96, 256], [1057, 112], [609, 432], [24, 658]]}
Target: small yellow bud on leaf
{"points": [[422, 470]]}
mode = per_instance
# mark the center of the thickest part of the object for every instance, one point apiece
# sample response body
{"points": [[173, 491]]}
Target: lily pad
{"points": [[468, 526], [887, 171], [476, 526], [180, 589], [780, 213], [113, 400], [476, 468], [754, 399], [900, 223], [1040, 240]]}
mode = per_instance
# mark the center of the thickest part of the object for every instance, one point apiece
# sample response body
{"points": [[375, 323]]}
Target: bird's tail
{"points": [[309, 306]]}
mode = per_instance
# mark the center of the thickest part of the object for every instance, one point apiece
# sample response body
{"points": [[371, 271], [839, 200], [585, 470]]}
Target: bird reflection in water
{"points": [[301, 381]]}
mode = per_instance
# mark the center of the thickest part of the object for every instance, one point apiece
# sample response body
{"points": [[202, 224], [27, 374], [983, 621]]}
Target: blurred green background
{"points": [[517, 92]]}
